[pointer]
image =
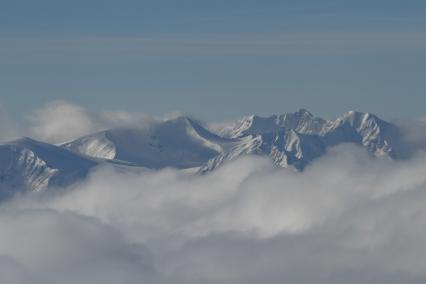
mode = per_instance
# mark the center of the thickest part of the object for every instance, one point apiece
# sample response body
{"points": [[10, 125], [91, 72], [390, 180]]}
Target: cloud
{"points": [[59, 121], [413, 133], [348, 218], [50, 247]]}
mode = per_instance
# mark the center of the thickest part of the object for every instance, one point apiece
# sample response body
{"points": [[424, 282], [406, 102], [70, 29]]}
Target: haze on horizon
{"points": [[216, 60]]}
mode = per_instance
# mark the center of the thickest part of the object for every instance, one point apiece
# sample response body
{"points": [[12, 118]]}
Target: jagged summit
{"points": [[289, 139], [302, 121], [28, 164], [298, 138]]}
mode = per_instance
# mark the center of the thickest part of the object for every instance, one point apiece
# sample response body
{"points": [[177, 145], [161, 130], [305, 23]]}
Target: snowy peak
{"points": [[55, 156], [356, 120], [253, 125], [366, 129], [298, 138], [291, 139], [95, 145], [180, 142], [288, 139], [302, 121], [30, 165]]}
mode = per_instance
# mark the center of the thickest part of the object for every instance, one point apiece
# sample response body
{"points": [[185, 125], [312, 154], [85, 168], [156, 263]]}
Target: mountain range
{"points": [[289, 140]]}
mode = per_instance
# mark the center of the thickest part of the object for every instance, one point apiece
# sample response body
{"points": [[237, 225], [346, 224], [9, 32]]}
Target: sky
{"points": [[216, 60]]}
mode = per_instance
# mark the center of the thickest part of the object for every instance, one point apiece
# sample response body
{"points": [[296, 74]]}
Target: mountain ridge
{"points": [[290, 139]]}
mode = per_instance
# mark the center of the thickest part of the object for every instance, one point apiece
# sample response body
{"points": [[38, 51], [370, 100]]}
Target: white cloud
{"points": [[59, 121], [348, 218], [51, 247], [413, 133]]}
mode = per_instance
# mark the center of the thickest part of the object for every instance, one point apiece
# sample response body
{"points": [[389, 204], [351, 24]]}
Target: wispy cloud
{"points": [[59, 121], [107, 49]]}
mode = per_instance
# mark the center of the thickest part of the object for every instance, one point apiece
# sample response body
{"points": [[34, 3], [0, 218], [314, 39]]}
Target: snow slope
{"points": [[298, 138], [179, 143], [293, 139], [30, 165]]}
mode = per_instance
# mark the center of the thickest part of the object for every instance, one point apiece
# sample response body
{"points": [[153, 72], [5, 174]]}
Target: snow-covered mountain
{"points": [[180, 143], [292, 139], [298, 138], [26, 164]]}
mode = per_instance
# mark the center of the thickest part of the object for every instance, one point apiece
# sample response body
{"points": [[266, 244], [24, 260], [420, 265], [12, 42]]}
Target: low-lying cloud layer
{"points": [[348, 218]]}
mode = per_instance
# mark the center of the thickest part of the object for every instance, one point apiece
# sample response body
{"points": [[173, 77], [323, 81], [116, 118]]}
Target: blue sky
{"points": [[215, 59]]}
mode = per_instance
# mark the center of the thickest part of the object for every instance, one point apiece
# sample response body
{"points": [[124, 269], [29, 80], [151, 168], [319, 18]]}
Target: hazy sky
{"points": [[215, 59]]}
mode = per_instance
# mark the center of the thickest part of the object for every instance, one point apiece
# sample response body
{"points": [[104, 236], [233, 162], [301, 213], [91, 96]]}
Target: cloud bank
{"points": [[348, 218]]}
